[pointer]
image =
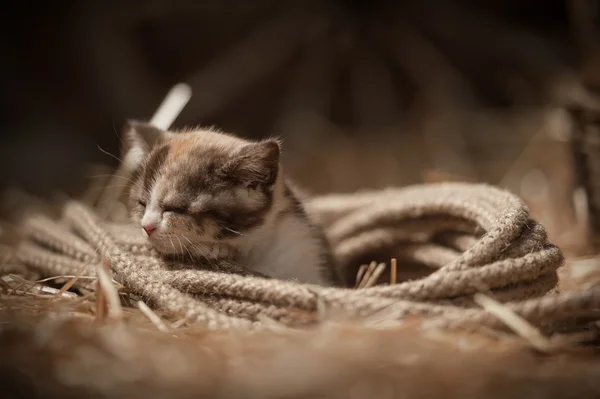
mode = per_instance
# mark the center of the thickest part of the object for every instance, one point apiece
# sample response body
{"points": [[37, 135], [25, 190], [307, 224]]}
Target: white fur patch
{"points": [[153, 213], [286, 250]]}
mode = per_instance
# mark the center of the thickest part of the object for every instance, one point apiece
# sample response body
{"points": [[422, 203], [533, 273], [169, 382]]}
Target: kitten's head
{"points": [[191, 190]]}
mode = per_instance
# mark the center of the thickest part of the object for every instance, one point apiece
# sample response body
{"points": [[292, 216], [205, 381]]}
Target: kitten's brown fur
{"points": [[210, 194]]}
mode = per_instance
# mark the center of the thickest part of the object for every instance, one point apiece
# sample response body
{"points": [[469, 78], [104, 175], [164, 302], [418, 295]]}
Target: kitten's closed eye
{"points": [[142, 203], [175, 209]]}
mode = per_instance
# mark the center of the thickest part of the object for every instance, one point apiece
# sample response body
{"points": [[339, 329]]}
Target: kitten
{"points": [[207, 194]]}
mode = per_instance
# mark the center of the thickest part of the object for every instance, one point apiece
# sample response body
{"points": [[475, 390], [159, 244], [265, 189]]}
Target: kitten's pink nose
{"points": [[149, 229]]}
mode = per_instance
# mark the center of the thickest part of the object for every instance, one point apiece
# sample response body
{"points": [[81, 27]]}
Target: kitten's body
{"points": [[206, 194]]}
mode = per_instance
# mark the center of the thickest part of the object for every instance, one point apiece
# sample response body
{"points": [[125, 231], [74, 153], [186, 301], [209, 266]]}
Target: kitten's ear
{"points": [[139, 138], [256, 163]]}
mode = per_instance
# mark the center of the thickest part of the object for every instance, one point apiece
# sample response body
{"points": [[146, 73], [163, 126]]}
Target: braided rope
{"points": [[470, 236]]}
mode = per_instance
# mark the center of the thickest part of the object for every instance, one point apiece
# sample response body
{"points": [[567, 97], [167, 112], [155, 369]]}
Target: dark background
{"points": [[457, 86]]}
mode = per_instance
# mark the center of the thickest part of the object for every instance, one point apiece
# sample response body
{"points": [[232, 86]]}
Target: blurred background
{"points": [[365, 94]]}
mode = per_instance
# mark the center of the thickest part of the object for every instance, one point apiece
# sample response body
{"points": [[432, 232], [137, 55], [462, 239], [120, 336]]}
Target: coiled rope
{"points": [[475, 237]]}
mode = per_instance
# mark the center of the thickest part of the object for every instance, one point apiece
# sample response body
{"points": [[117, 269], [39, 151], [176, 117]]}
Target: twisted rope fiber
{"points": [[509, 254]]}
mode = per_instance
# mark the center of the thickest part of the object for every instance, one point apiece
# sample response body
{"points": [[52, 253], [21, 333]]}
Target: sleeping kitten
{"points": [[206, 194]]}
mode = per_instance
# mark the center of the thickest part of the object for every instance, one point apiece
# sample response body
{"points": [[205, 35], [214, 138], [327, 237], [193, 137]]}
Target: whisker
{"points": [[188, 240], [173, 245], [212, 265], [232, 230], [109, 154], [109, 175], [201, 251], [182, 247], [116, 186], [117, 134], [194, 246]]}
